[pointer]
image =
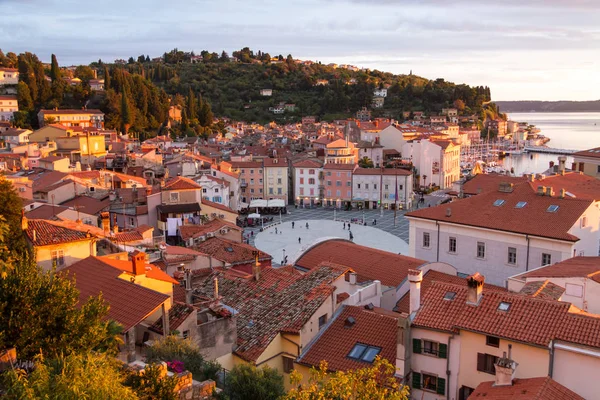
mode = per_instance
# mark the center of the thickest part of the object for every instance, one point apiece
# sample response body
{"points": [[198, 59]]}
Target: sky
{"points": [[521, 49]]}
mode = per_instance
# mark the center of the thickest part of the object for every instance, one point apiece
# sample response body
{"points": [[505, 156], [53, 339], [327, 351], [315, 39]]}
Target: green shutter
{"points": [[416, 380], [442, 350], [417, 346], [441, 386]]}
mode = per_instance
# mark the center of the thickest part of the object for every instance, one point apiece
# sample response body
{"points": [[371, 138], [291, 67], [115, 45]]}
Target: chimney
{"points": [[573, 166], [475, 287], [105, 222], [216, 288], [505, 370], [415, 277], [549, 191], [352, 278], [506, 187], [138, 260], [448, 212], [148, 190], [188, 286], [562, 194], [562, 164], [256, 265], [541, 190], [34, 236]]}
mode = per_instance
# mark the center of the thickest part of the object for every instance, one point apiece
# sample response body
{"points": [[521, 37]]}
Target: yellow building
{"points": [[83, 148], [84, 117]]}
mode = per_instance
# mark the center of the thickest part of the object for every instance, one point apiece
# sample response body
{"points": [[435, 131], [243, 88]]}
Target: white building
{"points": [[266, 92], [505, 232], [308, 176], [9, 76], [214, 189], [14, 137], [437, 162], [8, 106], [370, 186], [380, 92]]}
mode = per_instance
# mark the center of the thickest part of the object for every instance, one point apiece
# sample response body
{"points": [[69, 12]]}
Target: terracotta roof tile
{"points": [[218, 206], [543, 290], [592, 153], [403, 305], [543, 388], [337, 339], [229, 251], [52, 232], [282, 300], [71, 111], [581, 267], [386, 171], [370, 264], [152, 271], [308, 164], [484, 183], [178, 313], [88, 204], [180, 183], [532, 219], [195, 231], [580, 185], [129, 303]]}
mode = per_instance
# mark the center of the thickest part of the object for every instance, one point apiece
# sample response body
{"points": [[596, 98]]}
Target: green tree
{"points": [[41, 312], [150, 384], [55, 73], [205, 115], [246, 381], [191, 105], [24, 97], [373, 382], [106, 78], [126, 113], [365, 162], [71, 377], [84, 73]]}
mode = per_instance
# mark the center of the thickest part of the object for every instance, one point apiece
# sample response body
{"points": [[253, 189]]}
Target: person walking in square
{"points": [[307, 225], [299, 240], [293, 223], [344, 226]]}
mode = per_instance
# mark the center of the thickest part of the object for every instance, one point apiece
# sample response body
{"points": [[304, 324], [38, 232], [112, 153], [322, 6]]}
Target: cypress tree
{"points": [[54, 69], [191, 105], [126, 116], [106, 78]]}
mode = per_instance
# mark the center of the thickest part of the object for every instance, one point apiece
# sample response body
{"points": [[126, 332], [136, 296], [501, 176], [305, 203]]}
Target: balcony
{"points": [[244, 185]]}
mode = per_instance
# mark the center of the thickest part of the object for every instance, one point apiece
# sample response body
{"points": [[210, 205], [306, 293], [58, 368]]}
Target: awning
{"points": [[258, 203], [243, 205], [276, 203], [254, 215], [178, 208]]}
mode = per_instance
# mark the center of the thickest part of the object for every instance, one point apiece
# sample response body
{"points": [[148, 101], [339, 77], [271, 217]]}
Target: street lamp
{"points": [[283, 260]]}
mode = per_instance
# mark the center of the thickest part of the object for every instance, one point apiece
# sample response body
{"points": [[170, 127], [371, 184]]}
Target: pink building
{"points": [[337, 182], [251, 179]]}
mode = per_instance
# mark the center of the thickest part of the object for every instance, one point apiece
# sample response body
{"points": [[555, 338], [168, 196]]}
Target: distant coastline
{"points": [[549, 106]]}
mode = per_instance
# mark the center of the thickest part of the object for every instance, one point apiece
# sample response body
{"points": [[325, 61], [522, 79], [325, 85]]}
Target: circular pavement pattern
{"points": [[279, 237]]}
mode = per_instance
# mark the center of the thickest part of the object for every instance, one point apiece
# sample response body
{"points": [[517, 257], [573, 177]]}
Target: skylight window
{"points": [[362, 352], [449, 295], [503, 306], [521, 204], [498, 202], [552, 208]]}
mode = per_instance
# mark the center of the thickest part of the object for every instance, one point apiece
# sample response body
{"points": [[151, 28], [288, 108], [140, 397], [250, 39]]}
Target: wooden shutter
{"points": [[416, 380], [417, 346], [442, 350], [441, 386], [481, 362]]}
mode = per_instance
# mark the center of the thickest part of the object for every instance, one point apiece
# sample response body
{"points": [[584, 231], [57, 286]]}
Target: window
{"points": [[452, 245], [301, 191], [492, 341], [279, 191], [546, 259], [301, 171], [426, 241], [400, 187], [174, 196], [552, 208], [386, 187], [328, 173], [252, 171], [498, 202], [288, 364], [328, 183], [429, 382], [338, 193], [449, 296], [322, 321], [302, 181], [260, 181], [216, 190], [348, 183], [598, 169], [521, 204], [58, 257], [512, 255], [339, 174], [480, 250], [485, 363], [131, 221], [583, 221], [311, 171], [358, 185], [204, 190], [366, 185], [186, 334], [279, 181], [503, 306], [375, 186], [362, 352], [311, 181], [430, 347], [338, 183], [270, 190]]}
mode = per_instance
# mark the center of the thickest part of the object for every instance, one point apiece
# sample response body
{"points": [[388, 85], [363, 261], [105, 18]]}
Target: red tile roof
{"points": [[218, 206], [484, 183], [403, 305], [528, 319], [386, 171], [532, 219], [282, 300], [275, 162], [194, 231], [581, 267], [336, 340], [230, 252], [543, 290], [71, 111], [592, 153], [180, 183], [246, 164], [88, 204], [129, 303], [152, 271], [308, 164], [52, 232], [370, 264], [178, 313], [348, 167], [543, 388], [575, 183]]}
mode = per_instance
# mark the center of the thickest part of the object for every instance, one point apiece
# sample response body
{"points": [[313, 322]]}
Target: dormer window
{"points": [[503, 306], [363, 352], [174, 197]]}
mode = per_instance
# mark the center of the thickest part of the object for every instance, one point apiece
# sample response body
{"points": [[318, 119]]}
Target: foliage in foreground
{"points": [[76, 376], [374, 382], [173, 348], [248, 382]]}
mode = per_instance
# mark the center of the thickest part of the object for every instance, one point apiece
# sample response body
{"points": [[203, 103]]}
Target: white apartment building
{"points": [[437, 162], [214, 189], [9, 76], [505, 232], [370, 186], [380, 92], [308, 186], [8, 106]]}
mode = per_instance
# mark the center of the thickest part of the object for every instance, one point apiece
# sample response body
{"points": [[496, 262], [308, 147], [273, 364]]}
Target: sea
{"points": [[577, 131]]}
